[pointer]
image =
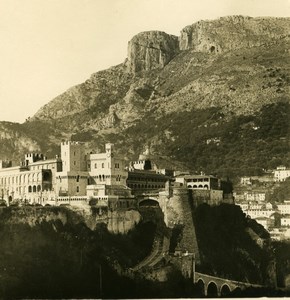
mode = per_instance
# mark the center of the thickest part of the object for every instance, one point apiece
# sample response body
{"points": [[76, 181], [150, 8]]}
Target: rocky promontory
{"points": [[151, 50]]}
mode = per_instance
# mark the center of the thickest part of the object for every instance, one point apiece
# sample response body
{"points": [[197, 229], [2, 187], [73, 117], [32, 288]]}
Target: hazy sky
{"points": [[47, 46]]}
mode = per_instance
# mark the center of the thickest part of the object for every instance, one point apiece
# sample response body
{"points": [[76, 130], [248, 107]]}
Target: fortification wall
{"points": [[178, 211]]}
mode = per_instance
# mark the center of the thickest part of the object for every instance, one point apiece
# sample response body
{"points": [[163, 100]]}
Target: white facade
{"points": [[284, 208], [255, 196], [257, 213], [285, 221], [72, 179], [281, 174]]}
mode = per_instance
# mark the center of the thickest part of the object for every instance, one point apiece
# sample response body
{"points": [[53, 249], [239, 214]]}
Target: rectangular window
{"points": [[96, 166], [74, 163], [78, 189], [103, 165]]}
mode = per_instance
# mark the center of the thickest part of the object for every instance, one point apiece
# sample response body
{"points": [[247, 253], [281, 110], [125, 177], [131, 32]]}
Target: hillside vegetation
{"points": [[209, 102]]}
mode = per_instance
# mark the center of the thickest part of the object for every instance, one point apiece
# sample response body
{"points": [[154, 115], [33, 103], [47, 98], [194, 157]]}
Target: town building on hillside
{"points": [[285, 221], [281, 173], [284, 208], [246, 181], [250, 196], [255, 196]]}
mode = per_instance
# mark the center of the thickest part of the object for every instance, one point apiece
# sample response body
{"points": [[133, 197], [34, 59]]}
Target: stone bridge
{"points": [[211, 286]]}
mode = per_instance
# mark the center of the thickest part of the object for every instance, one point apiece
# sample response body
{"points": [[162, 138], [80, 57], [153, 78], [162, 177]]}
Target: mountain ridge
{"points": [[166, 76]]}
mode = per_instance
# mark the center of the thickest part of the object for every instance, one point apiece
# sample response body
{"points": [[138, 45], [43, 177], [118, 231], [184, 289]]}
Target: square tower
{"points": [[73, 156]]}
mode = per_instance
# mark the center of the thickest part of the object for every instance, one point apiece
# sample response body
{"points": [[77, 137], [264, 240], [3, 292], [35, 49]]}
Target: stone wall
{"points": [[211, 197], [178, 211]]}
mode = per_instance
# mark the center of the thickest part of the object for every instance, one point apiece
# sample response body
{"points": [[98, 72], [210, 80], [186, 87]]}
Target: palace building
{"points": [[74, 178]]}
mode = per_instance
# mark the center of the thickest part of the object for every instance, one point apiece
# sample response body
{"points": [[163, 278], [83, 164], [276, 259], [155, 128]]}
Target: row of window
{"points": [[198, 180], [117, 166], [29, 189], [67, 199], [200, 186], [34, 189], [23, 178], [145, 186], [132, 178], [40, 167]]}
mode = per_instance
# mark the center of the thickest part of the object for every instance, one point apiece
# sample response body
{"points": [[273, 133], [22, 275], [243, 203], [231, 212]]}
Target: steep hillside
{"points": [[181, 95], [50, 253]]}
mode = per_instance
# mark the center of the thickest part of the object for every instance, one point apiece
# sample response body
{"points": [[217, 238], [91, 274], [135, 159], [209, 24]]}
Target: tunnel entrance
{"points": [[149, 203]]}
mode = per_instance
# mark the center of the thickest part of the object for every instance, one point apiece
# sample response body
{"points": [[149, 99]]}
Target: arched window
{"points": [[29, 189], [34, 189], [78, 178]]}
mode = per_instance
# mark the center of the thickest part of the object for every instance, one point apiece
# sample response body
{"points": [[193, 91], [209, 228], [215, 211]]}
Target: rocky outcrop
{"points": [[151, 50], [232, 32], [11, 138]]}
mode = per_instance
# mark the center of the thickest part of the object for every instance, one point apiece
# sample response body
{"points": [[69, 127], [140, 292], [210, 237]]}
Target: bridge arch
{"points": [[212, 290], [200, 287], [237, 292], [225, 290], [149, 203]]}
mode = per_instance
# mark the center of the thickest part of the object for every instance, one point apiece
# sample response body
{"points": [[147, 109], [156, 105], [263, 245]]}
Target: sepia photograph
{"points": [[144, 149]]}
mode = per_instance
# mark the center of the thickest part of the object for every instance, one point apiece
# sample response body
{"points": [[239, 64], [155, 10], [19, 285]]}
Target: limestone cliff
{"points": [[12, 137], [232, 32], [151, 50]]}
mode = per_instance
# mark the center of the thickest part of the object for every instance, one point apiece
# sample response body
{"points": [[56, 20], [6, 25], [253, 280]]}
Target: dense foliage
{"points": [[226, 247], [281, 192], [208, 141]]}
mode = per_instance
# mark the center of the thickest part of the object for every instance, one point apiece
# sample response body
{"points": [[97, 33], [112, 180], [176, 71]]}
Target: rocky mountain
{"points": [[206, 99]]}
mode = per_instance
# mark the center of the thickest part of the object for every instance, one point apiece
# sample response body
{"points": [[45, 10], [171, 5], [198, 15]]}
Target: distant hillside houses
{"points": [[99, 179], [280, 174], [253, 194], [274, 217]]}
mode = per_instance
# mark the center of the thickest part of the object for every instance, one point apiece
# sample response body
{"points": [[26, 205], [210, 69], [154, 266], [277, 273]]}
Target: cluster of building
{"points": [[254, 202], [101, 179]]}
